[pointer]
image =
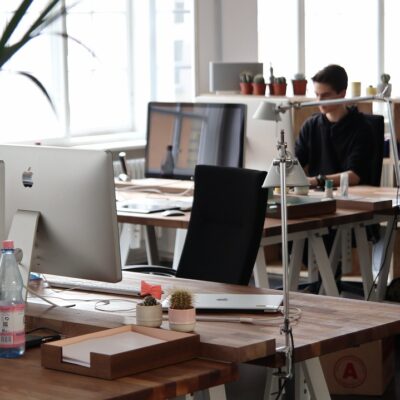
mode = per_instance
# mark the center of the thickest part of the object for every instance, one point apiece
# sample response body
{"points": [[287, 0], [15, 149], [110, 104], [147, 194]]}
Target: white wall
{"points": [[225, 30]]}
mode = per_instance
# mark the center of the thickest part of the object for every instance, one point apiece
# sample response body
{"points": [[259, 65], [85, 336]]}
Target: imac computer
{"points": [[199, 133], [60, 210]]}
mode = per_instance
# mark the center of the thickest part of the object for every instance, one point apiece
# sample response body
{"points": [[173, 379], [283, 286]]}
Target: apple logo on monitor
{"points": [[27, 180]]}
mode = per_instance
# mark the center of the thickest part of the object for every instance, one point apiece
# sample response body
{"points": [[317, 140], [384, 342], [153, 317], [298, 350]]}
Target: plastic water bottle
{"points": [[168, 165], [12, 304]]}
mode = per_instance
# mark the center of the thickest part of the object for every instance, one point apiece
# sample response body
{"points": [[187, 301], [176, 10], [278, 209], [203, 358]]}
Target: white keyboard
{"points": [[118, 288]]}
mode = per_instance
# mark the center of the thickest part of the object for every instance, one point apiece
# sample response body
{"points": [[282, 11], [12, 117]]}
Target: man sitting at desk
{"points": [[336, 140]]}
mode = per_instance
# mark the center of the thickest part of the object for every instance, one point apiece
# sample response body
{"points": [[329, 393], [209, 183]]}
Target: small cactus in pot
{"points": [[299, 83], [181, 311], [259, 85], [149, 312]]}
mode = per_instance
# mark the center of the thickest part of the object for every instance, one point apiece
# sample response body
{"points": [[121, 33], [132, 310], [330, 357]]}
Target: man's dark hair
{"points": [[333, 75]]}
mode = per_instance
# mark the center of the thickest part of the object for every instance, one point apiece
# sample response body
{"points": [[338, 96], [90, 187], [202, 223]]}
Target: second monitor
{"points": [[196, 133]]}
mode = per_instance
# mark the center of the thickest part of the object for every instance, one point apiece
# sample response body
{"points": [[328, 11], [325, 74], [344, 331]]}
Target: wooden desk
{"points": [[25, 378], [311, 228], [327, 324]]}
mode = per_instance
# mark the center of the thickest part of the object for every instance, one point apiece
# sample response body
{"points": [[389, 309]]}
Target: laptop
{"points": [[235, 302], [146, 206]]}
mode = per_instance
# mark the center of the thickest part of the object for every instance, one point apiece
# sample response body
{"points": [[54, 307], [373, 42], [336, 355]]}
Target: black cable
{"points": [[43, 329], [281, 387]]}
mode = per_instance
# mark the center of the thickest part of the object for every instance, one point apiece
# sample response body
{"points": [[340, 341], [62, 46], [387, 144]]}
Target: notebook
{"points": [[235, 302]]}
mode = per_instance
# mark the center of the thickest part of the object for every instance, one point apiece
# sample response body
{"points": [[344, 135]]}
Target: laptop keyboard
{"points": [[118, 288]]}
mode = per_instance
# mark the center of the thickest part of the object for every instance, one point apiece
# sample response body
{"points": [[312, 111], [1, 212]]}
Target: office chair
{"points": [[225, 226], [378, 139], [376, 161]]}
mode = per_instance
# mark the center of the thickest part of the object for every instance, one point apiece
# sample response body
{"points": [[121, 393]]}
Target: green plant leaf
{"points": [[14, 22], [40, 86]]}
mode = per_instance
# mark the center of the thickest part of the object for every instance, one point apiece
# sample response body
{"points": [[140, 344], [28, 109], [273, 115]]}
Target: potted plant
{"points": [[385, 78], [299, 83], [279, 86], [259, 85], [246, 80], [149, 312], [271, 80], [181, 312]]}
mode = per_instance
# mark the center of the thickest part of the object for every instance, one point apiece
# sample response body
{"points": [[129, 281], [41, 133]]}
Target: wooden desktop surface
{"points": [[24, 378], [272, 226], [327, 324]]}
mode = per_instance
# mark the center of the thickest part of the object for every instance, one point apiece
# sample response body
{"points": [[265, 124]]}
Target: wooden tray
{"points": [[364, 203], [176, 347], [301, 207]]}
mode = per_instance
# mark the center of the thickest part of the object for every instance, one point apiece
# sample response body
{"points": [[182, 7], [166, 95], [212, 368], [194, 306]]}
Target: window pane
{"points": [[99, 89], [173, 53], [277, 37], [25, 112], [336, 32], [392, 30]]}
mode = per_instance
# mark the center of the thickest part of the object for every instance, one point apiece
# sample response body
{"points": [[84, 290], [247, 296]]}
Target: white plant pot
{"points": [[149, 315], [381, 87], [182, 320]]}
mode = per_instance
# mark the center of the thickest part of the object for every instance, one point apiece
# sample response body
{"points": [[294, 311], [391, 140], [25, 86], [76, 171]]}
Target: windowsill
{"points": [[133, 144], [114, 142]]}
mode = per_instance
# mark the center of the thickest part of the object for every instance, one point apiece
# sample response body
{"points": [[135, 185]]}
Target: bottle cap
{"points": [[8, 244]]}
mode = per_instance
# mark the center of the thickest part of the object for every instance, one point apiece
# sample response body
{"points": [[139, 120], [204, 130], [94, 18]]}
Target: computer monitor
{"points": [[199, 133], [73, 190]]}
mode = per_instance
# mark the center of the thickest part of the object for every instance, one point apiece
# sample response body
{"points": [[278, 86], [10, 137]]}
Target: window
{"points": [[143, 51], [336, 33], [317, 33]]}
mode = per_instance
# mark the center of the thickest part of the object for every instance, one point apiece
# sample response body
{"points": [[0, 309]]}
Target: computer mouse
{"points": [[172, 213]]}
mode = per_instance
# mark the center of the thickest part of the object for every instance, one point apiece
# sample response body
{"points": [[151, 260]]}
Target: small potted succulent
{"points": [[299, 83], [385, 78], [259, 85], [246, 80], [279, 86], [181, 311], [149, 312]]}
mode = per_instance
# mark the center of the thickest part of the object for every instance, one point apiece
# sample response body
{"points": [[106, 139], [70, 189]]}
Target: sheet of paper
{"points": [[79, 353]]}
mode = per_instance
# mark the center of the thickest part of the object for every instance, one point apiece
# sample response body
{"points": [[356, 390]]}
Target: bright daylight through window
{"points": [[142, 51]]}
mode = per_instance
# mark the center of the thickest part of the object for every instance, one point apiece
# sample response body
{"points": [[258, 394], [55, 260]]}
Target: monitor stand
{"points": [[23, 232]]}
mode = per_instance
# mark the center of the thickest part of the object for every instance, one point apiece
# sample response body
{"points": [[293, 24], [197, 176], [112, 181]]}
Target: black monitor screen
{"points": [[195, 133]]}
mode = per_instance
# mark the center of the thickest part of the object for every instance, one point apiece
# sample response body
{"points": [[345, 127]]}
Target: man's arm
{"points": [[354, 179]]}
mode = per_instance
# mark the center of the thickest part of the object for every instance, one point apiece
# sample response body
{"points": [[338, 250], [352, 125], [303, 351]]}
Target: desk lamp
{"points": [[284, 171], [290, 173]]}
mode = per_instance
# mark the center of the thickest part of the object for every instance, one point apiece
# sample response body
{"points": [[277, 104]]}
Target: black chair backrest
{"points": [[225, 226], [378, 138]]}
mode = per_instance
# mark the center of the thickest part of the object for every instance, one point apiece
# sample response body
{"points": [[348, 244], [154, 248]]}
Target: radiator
{"points": [[135, 168]]}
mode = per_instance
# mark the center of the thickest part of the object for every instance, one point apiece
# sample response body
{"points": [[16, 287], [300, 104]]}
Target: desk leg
{"points": [[315, 379], [324, 264], [295, 263], [365, 261], [180, 237], [260, 270], [383, 251], [309, 382], [213, 393], [151, 245]]}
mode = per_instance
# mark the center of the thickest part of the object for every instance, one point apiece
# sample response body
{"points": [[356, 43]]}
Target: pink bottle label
{"points": [[12, 325]]}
